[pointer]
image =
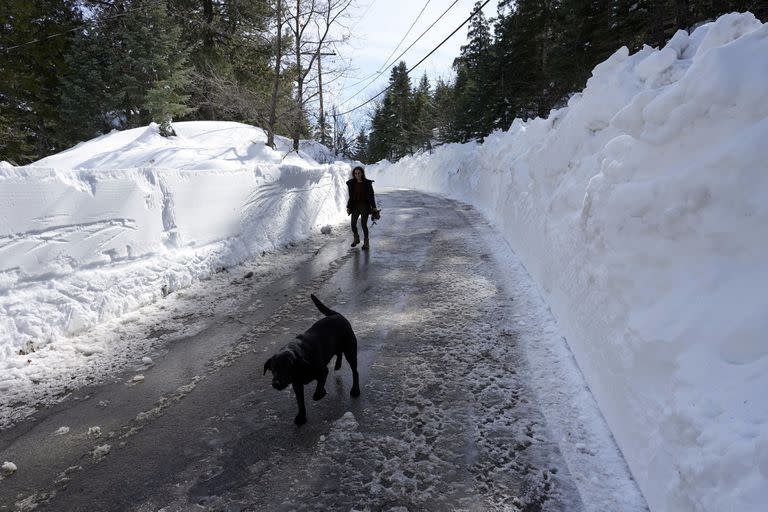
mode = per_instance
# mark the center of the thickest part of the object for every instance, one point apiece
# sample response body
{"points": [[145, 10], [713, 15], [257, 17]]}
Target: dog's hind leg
{"points": [[300, 418], [350, 353], [320, 389], [338, 362]]}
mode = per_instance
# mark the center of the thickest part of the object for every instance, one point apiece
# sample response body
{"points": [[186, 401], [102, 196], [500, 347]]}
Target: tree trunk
{"points": [[299, 82], [682, 14], [276, 83], [208, 109], [323, 138], [208, 15], [657, 23]]}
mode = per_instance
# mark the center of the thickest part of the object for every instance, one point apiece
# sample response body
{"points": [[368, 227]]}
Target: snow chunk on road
{"points": [[8, 468], [101, 451]]}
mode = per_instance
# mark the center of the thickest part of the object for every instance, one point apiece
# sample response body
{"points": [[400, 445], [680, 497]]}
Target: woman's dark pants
{"points": [[360, 209]]}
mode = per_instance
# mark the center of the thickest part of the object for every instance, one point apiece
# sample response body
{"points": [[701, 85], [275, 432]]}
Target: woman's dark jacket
{"points": [[368, 192]]}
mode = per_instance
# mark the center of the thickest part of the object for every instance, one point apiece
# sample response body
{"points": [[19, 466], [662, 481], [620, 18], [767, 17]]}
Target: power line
{"points": [[385, 65], [381, 70], [364, 13], [408, 72], [79, 27], [406, 50], [9, 48]]}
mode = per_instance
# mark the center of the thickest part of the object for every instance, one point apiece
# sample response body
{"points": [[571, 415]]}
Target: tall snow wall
{"points": [[78, 247], [641, 209]]}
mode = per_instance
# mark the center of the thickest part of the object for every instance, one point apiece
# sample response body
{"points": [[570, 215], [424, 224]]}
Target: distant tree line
{"points": [[71, 70], [523, 63]]}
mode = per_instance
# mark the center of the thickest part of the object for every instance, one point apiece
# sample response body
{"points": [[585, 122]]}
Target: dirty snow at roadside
{"points": [[641, 211]]}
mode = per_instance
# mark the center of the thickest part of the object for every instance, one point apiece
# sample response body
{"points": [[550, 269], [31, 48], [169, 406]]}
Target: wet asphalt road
{"points": [[445, 420]]}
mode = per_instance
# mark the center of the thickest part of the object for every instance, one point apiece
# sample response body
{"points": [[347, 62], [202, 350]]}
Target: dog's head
{"points": [[282, 365]]}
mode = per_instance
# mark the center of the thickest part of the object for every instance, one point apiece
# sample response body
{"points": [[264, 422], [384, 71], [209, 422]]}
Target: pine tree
{"points": [[465, 93], [473, 80], [478, 40], [164, 100], [444, 112], [586, 33], [86, 90], [130, 69], [423, 113], [34, 38], [12, 147], [360, 147], [509, 68], [154, 66], [631, 21], [381, 135], [519, 75], [402, 103], [392, 121]]}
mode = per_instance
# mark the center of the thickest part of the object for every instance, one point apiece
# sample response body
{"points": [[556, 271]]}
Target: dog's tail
{"points": [[322, 307]]}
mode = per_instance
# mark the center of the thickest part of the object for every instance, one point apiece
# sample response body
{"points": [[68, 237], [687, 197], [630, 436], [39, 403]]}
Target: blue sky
{"points": [[377, 28]]}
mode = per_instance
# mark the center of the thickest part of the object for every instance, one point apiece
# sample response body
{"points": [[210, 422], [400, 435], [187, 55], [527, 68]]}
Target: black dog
{"points": [[306, 359]]}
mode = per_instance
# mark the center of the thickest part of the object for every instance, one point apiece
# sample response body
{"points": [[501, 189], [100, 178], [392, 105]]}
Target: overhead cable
{"points": [[408, 72], [404, 51], [386, 62]]}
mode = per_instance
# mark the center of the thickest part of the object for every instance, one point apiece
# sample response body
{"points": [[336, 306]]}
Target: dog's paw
{"points": [[319, 394], [355, 392], [300, 419]]}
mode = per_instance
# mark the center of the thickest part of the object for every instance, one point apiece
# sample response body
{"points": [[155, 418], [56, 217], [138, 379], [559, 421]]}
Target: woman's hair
{"points": [[361, 170]]}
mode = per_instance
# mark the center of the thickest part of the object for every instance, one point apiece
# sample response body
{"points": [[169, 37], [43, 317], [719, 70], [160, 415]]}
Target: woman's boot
{"points": [[355, 241], [365, 244]]}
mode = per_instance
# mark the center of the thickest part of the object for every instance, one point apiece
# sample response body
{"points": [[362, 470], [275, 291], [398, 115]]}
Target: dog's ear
{"points": [[268, 365]]}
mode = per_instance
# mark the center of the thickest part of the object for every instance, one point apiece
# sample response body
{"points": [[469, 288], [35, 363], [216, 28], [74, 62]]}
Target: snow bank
{"points": [[203, 145], [642, 211], [78, 247]]}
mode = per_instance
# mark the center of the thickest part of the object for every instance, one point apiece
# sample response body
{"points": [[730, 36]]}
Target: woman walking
{"points": [[360, 204]]}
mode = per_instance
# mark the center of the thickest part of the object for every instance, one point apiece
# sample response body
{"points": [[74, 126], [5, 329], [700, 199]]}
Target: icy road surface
{"points": [[179, 416]]}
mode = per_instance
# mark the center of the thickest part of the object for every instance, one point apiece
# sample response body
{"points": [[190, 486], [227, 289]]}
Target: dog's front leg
{"points": [[298, 390]]}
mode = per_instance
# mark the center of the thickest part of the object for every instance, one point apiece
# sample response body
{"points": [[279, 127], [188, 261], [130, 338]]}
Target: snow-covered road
{"points": [[453, 413]]}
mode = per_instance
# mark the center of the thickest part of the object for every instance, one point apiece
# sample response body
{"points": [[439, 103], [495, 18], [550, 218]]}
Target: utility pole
{"points": [[322, 109], [276, 82], [335, 124], [323, 138], [320, 84]]}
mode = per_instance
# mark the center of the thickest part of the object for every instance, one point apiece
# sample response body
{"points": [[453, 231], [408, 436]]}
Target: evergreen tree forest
{"points": [[74, 69], [528, 59]]}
